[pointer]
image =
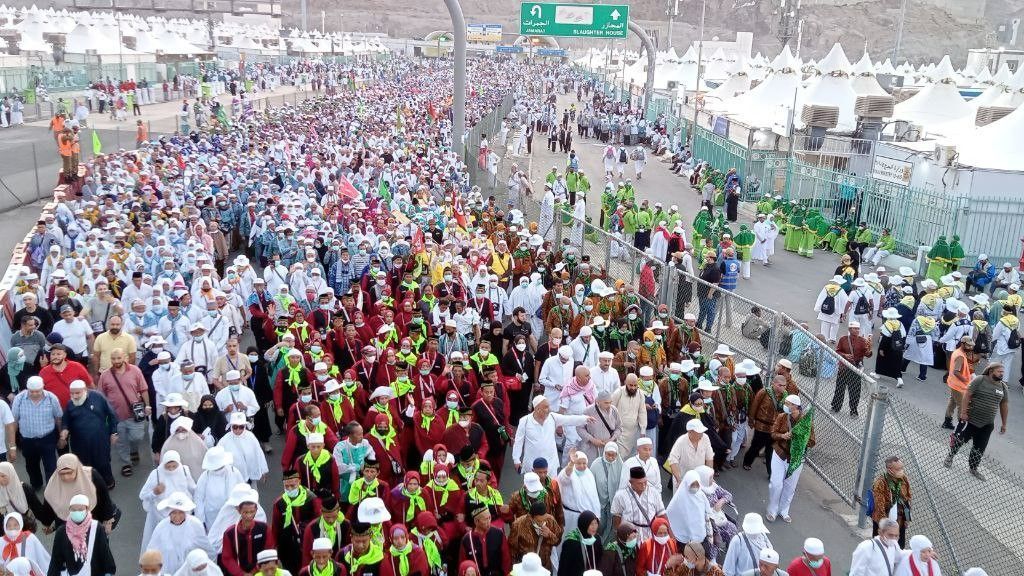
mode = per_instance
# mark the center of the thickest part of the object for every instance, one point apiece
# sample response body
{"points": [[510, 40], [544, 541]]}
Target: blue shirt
{"points": [[36, 419], [730, 274]]}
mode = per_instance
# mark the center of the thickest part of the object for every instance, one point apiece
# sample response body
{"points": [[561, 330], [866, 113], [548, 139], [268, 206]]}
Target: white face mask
{"points": [[661, 539], [464, 423], [741, 380], [521, 347], [12, 534]]}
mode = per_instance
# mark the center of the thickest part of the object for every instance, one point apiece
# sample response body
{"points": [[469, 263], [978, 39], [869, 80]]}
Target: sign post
{"points": [[574, 20]]}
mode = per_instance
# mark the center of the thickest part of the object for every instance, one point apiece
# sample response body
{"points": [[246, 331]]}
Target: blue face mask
{"points": [[77, 516], [306, 399], [235, 387], [815, 563], [588, 541], [787, 409], [292, 493]]}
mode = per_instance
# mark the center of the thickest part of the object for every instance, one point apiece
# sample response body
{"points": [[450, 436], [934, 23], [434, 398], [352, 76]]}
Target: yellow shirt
{"points": [[105, 344]]}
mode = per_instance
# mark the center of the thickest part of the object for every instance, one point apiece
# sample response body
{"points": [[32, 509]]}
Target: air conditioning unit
{"points": [[989, 114], [820, 116], [672, 84], [874, 106], [945, 154]]}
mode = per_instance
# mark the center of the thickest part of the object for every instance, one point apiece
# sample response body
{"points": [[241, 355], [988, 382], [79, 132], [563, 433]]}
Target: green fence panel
{"points": [[991, 225]]}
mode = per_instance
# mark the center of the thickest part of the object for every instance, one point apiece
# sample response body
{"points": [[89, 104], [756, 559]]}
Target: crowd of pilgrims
{"points": [[328, 270]]}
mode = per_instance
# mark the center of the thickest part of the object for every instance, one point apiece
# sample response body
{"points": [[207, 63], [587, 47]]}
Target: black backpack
{"points": [[828, 306], [862, 306], [1013, 342], [982, 344], [622, 155], [898, 341]]}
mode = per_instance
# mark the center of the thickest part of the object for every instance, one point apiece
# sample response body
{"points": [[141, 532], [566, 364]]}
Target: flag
{"points": [[351, 80], [398, 117], [346, 189], [384, 191], [431, 113], [97, 146], [222, 117], [457, 208]]}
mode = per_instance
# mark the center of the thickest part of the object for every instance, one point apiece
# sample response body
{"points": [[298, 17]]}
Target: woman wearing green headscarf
{"points": [[16, 373]]}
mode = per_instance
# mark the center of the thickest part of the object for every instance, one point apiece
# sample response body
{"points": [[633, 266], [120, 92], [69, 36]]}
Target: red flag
{"points": [[418, 241], [181, 162], [457, 209], [432, 112], [346, 189]]}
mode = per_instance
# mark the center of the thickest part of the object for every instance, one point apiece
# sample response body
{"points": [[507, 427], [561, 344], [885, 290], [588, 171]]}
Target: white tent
{"points": [[832, 88], [885, 68], [717, 67], [738, 83], [937, 102], [864, 81], [996, 146], [759, 106]]}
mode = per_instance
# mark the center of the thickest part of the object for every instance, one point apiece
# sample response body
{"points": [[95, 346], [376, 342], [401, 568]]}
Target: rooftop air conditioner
{"points": [[820, 116], [945, 154], [874, 106], [989, 114]]}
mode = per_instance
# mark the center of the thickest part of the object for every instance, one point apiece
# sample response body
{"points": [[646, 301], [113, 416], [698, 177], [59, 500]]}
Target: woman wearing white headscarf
{"points": [[189, 445], [607, 471], [579, 214], [920, 560], [17, 542], [579, 489], [197, 563], [537, 292], [167, 478], [689, 514], [229, 516], [215, 483], [547, 214]]}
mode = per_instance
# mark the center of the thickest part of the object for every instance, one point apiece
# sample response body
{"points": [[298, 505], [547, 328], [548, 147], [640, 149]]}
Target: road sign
{"points": [[574, 20], [552, 52], [509, 49]]}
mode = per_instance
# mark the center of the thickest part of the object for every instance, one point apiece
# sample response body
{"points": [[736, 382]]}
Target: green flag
{"points": [[97, 146], [383, 191], [222, 117]]}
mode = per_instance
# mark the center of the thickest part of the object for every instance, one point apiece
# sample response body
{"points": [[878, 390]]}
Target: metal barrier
{"points": [[966, 529]]}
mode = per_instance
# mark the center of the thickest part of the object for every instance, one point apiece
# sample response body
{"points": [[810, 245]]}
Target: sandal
{"points": [[127, 471]]}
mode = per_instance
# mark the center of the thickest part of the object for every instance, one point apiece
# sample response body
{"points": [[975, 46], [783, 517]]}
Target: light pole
{"points": [[899, 30], [672, 10], [700, 55]]}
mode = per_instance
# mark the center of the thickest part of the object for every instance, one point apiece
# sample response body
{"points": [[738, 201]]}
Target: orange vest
{"points": [[961, 379], [64, 145]]}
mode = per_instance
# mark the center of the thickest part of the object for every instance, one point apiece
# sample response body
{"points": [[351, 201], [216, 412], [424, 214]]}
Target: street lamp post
{"points": [[672, 10], [700, 55]]}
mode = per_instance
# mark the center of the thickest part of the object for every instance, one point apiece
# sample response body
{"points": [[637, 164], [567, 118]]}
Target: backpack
{"points": [[808, 363], [1013, 342], [862, 305], [869, 502], [622, 155], [898, 341], [983, 342], [828, 305]]}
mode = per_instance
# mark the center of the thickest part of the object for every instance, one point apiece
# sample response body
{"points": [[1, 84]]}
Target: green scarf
{"points": [[450, 486], [294, 377], [291, 503], [525, 499], [314, 465], [387, 440], [426, 420], [304, 430], [361, 490], [453, 418], [403, 557], [329, 531], [415, 500], [430, 549], [327, 571], [373, 556], [337, 406], [801, 434], [403, 387], [492, 498]]}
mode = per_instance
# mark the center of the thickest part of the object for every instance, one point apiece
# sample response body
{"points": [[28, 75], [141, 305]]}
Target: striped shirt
{"points": [[36, 419], [986, 396]]}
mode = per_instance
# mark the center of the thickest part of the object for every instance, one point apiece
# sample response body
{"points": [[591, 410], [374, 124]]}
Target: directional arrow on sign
{"points": [[615, 14], [535, 11]]}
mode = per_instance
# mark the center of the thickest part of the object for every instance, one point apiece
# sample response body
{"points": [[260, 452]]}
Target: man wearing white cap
{"points": [[792, 436], [690, 450], [200, 350], [234, 397], [179, 533], [556, 373], [269, 565], [606, 378], [767, 565], [1004, 278], [745, 548], [322, 563], [812, 561], [645, 459], [165, 378], [585, 348], [535, 435], [830, 306], [213, 488], [89, 425]]}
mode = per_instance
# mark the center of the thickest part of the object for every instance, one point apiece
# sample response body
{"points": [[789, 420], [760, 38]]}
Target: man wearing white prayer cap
{"points": [[535, 434], [554, 374], [604, 376], [321, 563], [585, 348], [812, 561], [645, 459], [747, 545]]}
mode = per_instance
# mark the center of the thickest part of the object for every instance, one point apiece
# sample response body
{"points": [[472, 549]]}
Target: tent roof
{"points": [[997, 145], [836, 62], [935, 103]]}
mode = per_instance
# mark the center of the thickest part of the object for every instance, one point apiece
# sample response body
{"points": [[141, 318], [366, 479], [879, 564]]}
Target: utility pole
{"points": [[899, 30], [789, 15], [672, 9], [700, 55]]}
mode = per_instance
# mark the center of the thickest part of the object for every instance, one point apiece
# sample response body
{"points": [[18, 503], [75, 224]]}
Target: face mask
{"points": [[306, 398], [588, 541], [815, 563], [188, 377], [334, 395], [631, 543], [316, 421], [197, 338], [253, 358], [689, 564], [787, 409], [406, 351], [565, 306], [464, 423], [165, 367], [234, 387], [521, 346], [447, 277], [321, 377], [524, 284], [292, 493], [371, 359], [451, 405], [484, 353], [741, 380], [77, 516], [632, 316], [315, 349], [424, 372], [588, 307], [694, 490], [12, 534], [675, 377], [212, 313], [661, 539], [181, 434]]}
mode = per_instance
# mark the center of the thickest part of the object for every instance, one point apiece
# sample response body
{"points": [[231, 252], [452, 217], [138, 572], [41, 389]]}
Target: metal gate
{"points": [[991, 225]]}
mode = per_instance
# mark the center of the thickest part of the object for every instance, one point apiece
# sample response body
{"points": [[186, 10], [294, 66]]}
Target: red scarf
{"points": [[10, 551]]}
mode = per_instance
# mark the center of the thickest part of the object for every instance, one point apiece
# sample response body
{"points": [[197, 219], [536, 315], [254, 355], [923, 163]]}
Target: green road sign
{"points": [[574, 20]]}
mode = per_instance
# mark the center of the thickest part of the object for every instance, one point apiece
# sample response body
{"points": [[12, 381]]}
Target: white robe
{"points": [[605, 381], [583, 353], [579, 214], [249, 457], [547, 216], [212, 491], [761, 241], [650, 467], [659, 243], [688, 513], [840, 299], [553, 376], [579, 494], [226, 397], [34, 551], [868, 560], [175, 542], [537, 439], [178, 481]]}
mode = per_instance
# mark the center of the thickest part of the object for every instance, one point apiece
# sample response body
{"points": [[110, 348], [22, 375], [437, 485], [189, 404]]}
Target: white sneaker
{"points": [[899, 382]]}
